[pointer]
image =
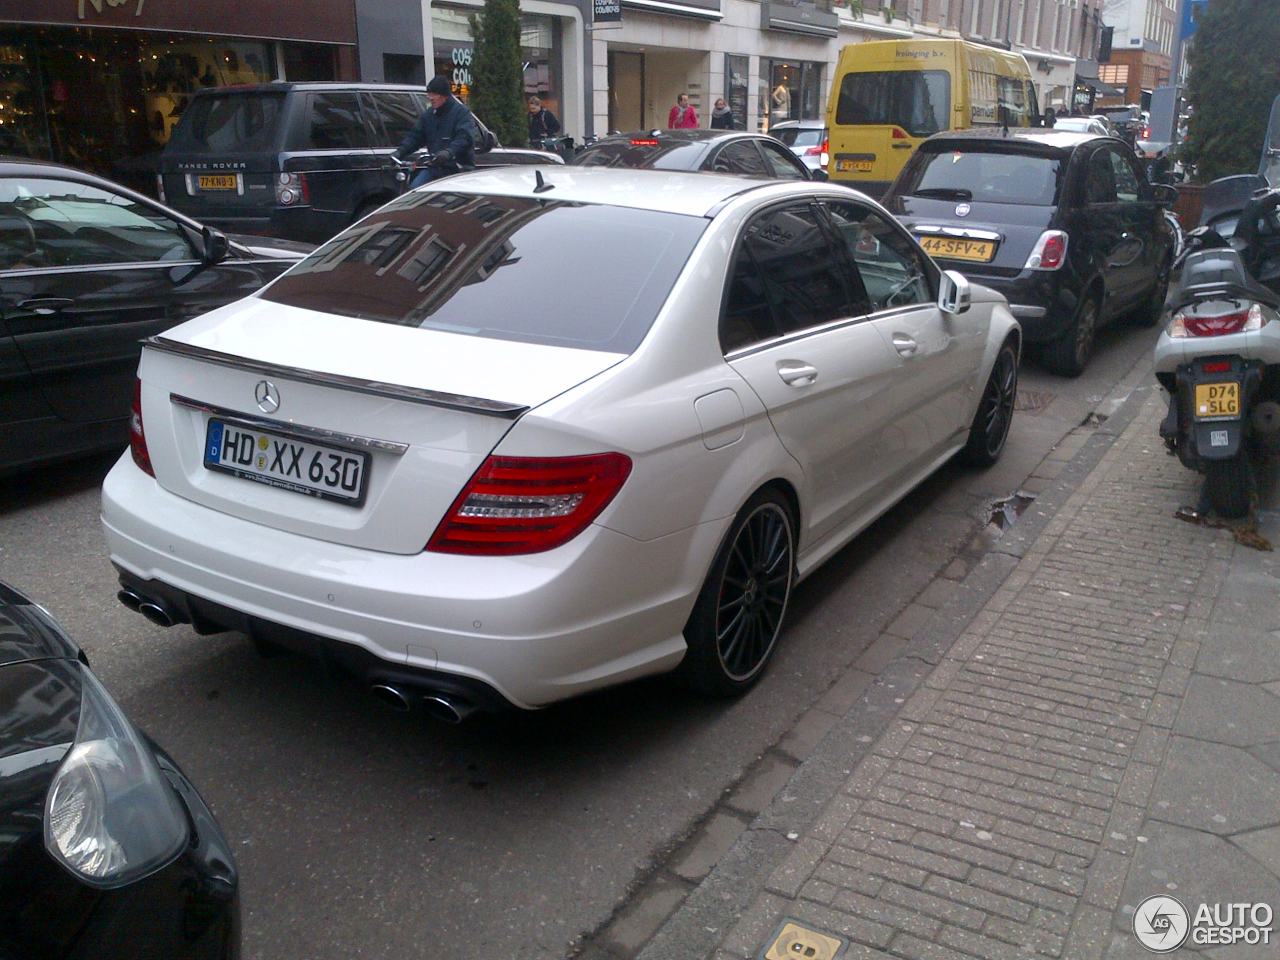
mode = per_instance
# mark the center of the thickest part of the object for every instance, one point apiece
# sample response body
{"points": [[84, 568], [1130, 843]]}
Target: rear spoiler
{"points": [[432, 398]]}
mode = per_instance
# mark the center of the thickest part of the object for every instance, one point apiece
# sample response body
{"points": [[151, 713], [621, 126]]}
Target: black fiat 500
{"points": [[1063, 224], [106, 849]]}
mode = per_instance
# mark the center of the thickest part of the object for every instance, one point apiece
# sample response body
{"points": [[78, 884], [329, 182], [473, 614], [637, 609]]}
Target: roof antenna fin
{"points": [[542, 186]]}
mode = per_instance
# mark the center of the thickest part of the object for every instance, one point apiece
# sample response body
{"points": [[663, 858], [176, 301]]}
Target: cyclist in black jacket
{"points": [[447, 129]]}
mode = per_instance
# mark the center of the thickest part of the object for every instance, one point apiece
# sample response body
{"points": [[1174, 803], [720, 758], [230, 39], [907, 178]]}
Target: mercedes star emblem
{"points": [[962, 209], [267, 395]]}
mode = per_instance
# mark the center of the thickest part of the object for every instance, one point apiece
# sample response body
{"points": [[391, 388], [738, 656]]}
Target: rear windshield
{"points": [[654, 153], [509, 268], [239, 122], [799, 137], [918, 101], [986, 177]]}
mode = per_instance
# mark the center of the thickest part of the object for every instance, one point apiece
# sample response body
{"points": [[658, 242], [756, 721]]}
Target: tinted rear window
{"points": [[990, 177], [510, 268], [235, 122], [918, 101], [654, 153], [794, 137]]}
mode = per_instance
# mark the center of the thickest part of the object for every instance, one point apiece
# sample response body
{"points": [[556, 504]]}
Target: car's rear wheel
{"points": [[1070, 353], [1148, 315], [738, 615], [990, 427]]}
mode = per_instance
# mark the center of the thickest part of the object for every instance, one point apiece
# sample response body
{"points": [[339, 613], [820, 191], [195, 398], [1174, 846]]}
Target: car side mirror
{"points": [[1164, 194], [954, 295], [215, 246]]}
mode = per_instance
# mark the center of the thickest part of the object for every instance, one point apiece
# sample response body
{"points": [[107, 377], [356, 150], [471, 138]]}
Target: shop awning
{"points": [[695, 9]]}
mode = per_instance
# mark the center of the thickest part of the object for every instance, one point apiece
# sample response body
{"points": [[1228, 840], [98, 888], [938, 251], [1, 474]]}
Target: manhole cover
{"points": [[1032, 401]]}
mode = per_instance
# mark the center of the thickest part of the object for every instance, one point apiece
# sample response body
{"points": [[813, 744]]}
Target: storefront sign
{"points": [[606, 13], [321, 21]]}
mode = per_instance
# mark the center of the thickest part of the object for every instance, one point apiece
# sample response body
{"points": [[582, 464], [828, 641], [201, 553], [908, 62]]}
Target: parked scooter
{"points": [[1219, 356]]}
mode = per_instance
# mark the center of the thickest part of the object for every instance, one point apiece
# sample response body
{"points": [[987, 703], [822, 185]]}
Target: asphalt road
{"points": [[362, 832]]}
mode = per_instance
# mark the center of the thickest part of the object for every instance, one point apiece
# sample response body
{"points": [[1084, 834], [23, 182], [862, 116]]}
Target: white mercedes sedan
{"points": [[527, 433]]}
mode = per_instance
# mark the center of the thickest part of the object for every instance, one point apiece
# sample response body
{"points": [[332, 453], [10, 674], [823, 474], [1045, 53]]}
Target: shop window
{"points": [[335, 122]]}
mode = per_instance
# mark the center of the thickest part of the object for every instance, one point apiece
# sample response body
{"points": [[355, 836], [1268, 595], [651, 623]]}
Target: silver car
{"points": [[807, 139]]}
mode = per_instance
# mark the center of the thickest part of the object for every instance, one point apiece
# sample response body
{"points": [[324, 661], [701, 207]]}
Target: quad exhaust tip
{"points": [[153, 611], [130, 599]]}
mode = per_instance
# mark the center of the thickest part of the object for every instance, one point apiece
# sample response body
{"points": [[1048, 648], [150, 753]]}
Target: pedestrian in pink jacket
{"points": [[682, 116]]}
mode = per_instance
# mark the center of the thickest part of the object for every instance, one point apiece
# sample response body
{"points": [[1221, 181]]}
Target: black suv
{"points": [[1063, 224], [294, 160]]}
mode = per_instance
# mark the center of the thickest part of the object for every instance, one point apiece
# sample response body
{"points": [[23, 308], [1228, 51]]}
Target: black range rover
{"points": [[1063, 224]]}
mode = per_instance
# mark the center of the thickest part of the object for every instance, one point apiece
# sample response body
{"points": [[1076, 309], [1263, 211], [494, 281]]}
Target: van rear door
{"points": [[880, 116]]}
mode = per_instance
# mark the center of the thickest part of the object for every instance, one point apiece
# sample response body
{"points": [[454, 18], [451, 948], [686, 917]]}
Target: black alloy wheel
{"points": [[739, 613], [991, 422]]}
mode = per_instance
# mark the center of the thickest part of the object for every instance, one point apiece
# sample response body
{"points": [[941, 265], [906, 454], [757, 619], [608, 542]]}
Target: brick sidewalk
{"points": [[1030, 791]]}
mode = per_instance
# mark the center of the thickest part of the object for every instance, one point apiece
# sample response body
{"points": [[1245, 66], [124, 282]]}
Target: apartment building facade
{"points": [[1146, 33]]}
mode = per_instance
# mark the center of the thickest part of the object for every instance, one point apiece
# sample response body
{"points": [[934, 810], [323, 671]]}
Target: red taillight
{"points": [[137, 436], [292, 190], [516, 505], [899, 134], [644, 143], [815, 151], [1050, 251], [1186, 324], [1216, 366], [1146, 133]]}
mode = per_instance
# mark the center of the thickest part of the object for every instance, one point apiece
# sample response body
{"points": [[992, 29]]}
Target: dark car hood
{"points": [[27, 632], [270, 247]]}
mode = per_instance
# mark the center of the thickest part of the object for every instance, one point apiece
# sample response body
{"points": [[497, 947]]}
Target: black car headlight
{"points": [[110, 817]]}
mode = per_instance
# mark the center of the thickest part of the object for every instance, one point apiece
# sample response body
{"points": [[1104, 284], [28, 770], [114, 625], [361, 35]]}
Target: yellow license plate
{"points": [[954, 248], [1217, 400], [218, 182], [853, 166]]}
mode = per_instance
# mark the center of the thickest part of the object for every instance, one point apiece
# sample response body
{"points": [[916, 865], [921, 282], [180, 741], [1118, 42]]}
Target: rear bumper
{"points": [[602, 609], [1041, 301]]}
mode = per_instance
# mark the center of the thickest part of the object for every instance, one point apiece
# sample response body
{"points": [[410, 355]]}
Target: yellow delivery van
{"points": [[887, 96]]}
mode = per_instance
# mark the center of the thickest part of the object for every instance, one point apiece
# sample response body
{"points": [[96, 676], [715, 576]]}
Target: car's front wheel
{"points": [[738, 615]]}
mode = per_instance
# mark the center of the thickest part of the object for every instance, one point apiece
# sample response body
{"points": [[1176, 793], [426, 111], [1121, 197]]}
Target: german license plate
{"points": [[218, 181], [853, 166], [288, 463], [1217, 400], [955, 248]]}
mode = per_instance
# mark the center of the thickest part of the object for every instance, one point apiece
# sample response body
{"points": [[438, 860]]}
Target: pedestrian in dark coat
{"points": [[447, 129], [542, 122], [722, 116]]}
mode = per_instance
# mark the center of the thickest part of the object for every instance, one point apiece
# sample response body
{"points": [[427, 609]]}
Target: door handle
{"points": [[797, 373], [902, 146], [45, 306], [905, 345]]}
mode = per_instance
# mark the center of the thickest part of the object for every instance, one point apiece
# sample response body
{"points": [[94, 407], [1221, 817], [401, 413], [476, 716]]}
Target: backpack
{"points": [[487, 140]]}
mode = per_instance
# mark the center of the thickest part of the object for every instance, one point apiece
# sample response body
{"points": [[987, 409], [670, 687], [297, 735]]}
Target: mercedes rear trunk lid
{"points": [[334, 427]]}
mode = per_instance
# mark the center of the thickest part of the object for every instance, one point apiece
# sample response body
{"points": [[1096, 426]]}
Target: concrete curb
{"points": [[713, 907]]}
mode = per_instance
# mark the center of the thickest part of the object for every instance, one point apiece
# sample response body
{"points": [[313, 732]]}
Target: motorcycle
{"points": [[1219, 355]]}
